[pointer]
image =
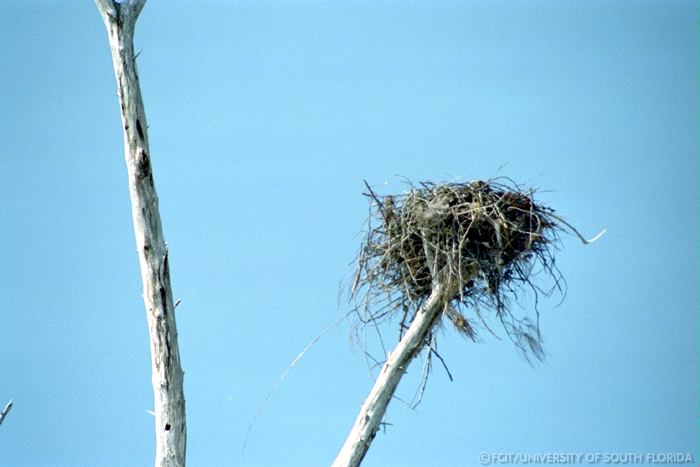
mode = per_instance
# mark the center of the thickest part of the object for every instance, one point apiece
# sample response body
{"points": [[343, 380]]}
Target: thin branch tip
{"points": [[577, 233], [6, 410], [600, 234]]}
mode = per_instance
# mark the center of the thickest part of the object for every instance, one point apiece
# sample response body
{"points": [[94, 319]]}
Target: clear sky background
{"points": [[264, 118]]}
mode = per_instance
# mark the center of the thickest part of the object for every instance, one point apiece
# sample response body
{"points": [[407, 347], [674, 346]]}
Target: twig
{"points": [[425, 371], [578, 234], [444, 365], [374, 197], [5, 411]]}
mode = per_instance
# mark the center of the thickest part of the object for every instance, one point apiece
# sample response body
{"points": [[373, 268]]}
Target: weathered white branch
{"points": [[167, 375], [444, 286], [5, 411], [374, 408]]}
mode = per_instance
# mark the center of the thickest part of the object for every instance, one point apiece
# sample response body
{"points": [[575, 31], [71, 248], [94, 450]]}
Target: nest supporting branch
{"points": [[374, 408]]}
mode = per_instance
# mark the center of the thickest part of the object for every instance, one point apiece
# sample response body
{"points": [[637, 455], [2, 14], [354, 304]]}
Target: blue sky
{"points": [[264, 118]]}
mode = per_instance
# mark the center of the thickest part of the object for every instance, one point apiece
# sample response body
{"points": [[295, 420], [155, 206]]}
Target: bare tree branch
{"points": [[374, 408], [167, 375]]}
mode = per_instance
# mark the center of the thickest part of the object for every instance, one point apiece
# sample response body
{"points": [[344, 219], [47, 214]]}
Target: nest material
{"points": [[481, 240]]}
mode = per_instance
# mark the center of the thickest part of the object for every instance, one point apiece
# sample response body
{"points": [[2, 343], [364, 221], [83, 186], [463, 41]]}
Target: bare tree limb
{"points": [[374, 408], [167, 375], [5, 411]]}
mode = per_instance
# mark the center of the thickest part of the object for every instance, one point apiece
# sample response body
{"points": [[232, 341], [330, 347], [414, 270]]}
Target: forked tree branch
{"points": [[167, 375]]}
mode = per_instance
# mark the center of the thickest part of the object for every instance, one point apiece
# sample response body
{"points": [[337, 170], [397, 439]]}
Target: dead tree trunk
{"points": [[167, 375]]}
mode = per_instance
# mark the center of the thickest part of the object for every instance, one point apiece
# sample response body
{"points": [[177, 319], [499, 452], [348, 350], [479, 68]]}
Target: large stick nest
{"points": [[481, 240]]}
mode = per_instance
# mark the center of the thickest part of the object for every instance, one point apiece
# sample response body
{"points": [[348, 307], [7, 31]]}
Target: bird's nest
{"points": [[483, 241]]}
